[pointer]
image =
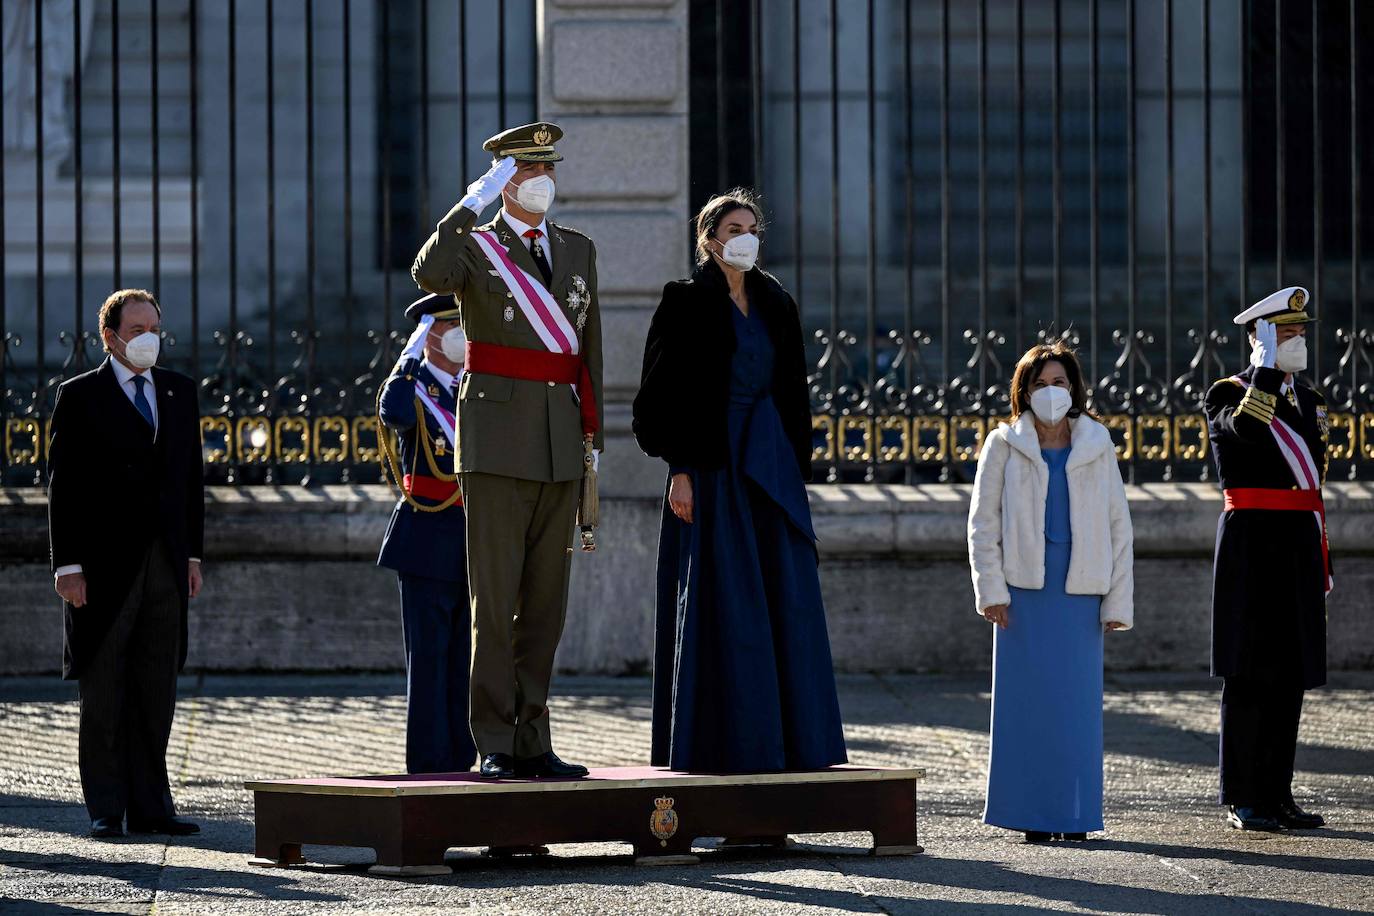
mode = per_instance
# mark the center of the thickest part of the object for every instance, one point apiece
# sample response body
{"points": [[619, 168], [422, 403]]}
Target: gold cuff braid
{"points": [[1259, 405]]}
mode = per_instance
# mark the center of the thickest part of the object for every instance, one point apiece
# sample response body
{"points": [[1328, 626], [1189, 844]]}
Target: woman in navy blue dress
{"points": [[742, 671]]}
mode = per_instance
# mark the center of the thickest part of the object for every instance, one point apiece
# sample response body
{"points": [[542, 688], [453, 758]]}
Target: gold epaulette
{"points": [[1258, 404]]}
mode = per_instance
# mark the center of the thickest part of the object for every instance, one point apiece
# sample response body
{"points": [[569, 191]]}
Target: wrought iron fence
{"points": [[951, 181], [269, 169]]}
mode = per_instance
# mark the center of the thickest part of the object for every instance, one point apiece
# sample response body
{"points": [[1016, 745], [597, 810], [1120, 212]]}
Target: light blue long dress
{"points": [[1045, 759]]}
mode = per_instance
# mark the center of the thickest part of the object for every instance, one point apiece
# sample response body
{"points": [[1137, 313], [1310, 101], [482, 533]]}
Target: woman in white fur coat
{"points": [[1049, 539]]}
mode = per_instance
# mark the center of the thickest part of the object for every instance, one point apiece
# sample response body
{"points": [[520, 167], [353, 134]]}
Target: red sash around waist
{"points": [[1284, 501], [431, 488], [1275, 500], [537, 366]]}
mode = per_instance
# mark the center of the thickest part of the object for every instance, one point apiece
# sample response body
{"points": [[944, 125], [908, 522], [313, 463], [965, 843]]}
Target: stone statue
{"points": [[60, 68]]}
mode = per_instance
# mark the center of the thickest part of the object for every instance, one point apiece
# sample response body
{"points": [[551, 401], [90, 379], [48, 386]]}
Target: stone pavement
{"points": [[1165, 850]]}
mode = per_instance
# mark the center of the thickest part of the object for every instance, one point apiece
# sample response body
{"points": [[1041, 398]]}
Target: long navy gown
{"points": [[743, 680]]}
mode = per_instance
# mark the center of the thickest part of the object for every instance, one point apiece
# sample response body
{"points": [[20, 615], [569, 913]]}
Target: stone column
{"points": [[613, 74]]}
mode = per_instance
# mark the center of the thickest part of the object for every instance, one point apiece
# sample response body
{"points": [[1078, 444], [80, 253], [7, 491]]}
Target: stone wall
{"points": [[291, 585]]}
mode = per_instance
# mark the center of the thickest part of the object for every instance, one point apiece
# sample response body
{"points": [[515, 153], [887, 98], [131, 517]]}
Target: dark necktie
{"points": [[540, 260], [141, 400]]}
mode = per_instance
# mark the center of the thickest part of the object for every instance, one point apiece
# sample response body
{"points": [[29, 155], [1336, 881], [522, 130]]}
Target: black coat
{"points": [[680, 411], [1269, 588], [113, 488]]}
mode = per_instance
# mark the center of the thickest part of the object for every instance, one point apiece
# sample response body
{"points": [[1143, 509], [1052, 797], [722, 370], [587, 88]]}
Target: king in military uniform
{"points": [[1268, 430], [530, 401], [425, 539]]}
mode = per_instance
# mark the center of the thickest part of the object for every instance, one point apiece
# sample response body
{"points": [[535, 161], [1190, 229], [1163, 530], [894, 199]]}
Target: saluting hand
{"points": [[680, 497], [998, 614], [72, 588], [1265, 348], [486, 190]]}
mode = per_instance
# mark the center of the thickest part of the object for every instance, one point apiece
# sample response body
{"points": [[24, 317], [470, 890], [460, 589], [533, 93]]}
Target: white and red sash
{"points": [[1293, 447], [445, 417], [536, 303]]}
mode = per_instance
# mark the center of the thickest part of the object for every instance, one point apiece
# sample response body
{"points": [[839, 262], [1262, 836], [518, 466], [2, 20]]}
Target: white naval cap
{"points": [[1287, 306]]}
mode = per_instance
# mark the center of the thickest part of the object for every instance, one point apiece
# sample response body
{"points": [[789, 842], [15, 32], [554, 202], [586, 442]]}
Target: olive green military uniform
{"points": [[520, 460]]}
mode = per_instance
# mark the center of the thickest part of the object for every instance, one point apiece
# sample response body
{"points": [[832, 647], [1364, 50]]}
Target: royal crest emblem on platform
{"points": [[663, 822], [579, 300]]}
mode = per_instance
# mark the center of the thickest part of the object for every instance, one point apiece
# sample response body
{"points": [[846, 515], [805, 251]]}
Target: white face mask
{"points": [[142, 350], [1291, 355], [741, 251], [1050, 404], [535, 194], [454, 343]]}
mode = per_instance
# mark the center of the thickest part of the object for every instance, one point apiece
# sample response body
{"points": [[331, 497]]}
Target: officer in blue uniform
{"points": [[1269, 430], [425, 541]]}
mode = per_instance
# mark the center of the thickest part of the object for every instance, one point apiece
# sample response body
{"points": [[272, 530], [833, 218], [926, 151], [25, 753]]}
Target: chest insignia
{"points": [[434, 391], [579, 300], [509, 313]]}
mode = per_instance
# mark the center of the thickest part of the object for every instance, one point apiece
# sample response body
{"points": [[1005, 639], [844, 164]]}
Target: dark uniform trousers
{"points": [[128, 697], [434, 620], [519, 597], [1259, 739]]}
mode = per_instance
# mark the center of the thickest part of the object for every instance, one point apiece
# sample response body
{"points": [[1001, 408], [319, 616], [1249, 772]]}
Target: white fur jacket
{"points": [[1006, 524]]}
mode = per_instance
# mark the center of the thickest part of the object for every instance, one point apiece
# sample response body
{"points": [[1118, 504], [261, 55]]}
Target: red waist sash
{"points": [[431, 488], [1283, 501], [537, 366]]}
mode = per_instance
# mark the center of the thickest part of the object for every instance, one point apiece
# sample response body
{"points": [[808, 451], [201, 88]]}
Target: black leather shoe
{"points": [[1246, 818], [1074, 837], [168, 826], [547, 766], [106, 828], [498, 766], [1290, 815], [1038, 836]]}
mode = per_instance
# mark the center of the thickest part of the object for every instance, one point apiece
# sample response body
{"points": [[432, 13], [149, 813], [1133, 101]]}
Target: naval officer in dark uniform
{"points": [[1269, 431], [426, 541]]}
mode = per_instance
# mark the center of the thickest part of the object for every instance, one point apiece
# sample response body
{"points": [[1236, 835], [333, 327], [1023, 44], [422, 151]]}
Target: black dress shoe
{"points": [[1246, 818], [1038, 836], [1288, 814], [168, 826], [1074, 837], [547, 766], [498, 766], [106, 828]]}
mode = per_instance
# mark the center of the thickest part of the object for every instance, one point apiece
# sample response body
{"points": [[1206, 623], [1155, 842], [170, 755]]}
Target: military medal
{"points": [[509, 313], [440, 446], [579, 300]]}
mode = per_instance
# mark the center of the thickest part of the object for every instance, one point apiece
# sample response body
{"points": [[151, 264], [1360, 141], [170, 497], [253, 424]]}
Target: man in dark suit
{"points": [[126, 517], [425, 541], [1269, 433]]}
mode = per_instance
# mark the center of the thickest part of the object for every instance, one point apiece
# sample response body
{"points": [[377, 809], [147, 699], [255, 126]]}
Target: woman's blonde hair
{"points": [[709, 218]]}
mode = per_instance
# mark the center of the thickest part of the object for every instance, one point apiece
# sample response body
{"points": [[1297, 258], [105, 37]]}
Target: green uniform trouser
{"points": [[520, 543]]}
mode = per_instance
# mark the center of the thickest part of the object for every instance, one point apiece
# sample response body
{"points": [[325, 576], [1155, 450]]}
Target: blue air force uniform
{"points": [[428, 551], [1268, 431]]}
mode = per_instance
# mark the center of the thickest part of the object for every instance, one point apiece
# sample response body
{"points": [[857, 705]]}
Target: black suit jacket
{"points": [[680, 413], [113, 488]]}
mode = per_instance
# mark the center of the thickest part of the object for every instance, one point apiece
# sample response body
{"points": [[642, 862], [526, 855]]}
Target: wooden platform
{"points": [[411, 821]]}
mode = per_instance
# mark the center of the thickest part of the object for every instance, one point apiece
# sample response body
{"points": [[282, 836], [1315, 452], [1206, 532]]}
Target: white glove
{"points": [[1266, 345], [486, 190], [596, 460], [415, 346]]}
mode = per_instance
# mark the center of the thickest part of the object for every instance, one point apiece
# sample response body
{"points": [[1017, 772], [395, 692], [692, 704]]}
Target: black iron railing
{"points": [[268, 169], [949, 182]]}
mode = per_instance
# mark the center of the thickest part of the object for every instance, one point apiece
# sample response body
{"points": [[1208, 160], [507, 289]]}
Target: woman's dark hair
{"points": [[1028, 369], [710, 217]]}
